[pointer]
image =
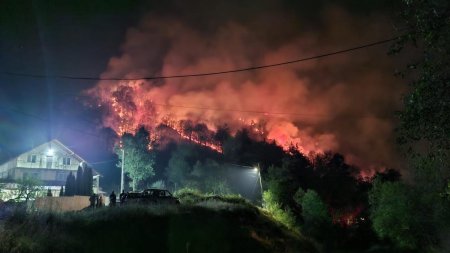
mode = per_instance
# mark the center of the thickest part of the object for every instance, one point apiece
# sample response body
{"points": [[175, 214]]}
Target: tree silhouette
{"points": [[87, 181], [79, 182], [70, 185]]}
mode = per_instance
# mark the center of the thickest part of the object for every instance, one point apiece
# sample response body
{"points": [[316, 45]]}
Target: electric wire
{"points": [[206, 73]]}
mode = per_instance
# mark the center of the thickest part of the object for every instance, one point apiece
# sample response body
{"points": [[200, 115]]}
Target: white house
{"points": [[50, 163]]}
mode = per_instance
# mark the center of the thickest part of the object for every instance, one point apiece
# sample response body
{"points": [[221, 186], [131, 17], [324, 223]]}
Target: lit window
{"points": [[31, 158], [66, 161]]}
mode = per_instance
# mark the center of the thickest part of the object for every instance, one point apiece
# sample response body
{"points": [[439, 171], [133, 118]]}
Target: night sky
{"points": [[349, 100]]}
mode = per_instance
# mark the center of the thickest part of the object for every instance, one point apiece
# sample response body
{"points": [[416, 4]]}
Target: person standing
{"points": [[100, 201], [112, 199], [92, 199], [122, 197]]}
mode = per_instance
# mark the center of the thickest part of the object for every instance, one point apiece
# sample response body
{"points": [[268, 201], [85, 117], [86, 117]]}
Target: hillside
{"points": [[208, 226]]}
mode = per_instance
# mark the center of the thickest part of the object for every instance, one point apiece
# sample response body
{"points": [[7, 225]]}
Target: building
{"points": [[50, 163]]}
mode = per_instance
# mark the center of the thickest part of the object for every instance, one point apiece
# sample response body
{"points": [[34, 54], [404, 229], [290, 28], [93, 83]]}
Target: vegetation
{"points": [[225, 227], [316, 219], [320, 196], [393, 214], [28, 188], [284, 216], [189, 196], [139, 160], [80, 185], [415, 214]]}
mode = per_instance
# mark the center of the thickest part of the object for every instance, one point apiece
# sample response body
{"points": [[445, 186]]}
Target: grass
{"points": [[189, 196], [204, 223]]}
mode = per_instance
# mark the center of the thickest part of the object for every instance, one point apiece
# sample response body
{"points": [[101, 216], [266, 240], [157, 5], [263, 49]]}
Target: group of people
{"points": [[113, 198], [97, 200]]}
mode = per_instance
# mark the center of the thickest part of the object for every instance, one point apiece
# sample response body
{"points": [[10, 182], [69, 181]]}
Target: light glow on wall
{"points": [[50, 152]]}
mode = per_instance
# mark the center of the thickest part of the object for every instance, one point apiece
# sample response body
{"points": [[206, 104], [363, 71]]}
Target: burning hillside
{"points": [[317, 106]]}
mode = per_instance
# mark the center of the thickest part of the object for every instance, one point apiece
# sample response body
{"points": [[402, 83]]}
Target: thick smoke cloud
{"points": [[343, 103]]}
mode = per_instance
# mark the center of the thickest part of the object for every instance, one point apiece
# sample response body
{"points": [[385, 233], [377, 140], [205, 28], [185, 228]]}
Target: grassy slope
{"points": [[207, 226]]}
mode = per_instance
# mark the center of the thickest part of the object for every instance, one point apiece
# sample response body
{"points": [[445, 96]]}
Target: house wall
{"points": [[43, 174], [45, 160], [37, 163], [6, 167]]}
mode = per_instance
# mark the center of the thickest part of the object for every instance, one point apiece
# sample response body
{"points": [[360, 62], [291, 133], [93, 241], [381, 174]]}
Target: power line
{"points": [[265, 113], [206, 73], [241, 111], [271, 114]]}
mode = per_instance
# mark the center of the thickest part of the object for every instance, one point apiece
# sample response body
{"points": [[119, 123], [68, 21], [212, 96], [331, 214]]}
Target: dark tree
{"points": [[70, 185], [87, 182], [416, 216], [426, 113], [79, 182], [337, 184], [49, 193], [222, 134], [390, 175], [188, 127], [61, 191], [202, 132]]}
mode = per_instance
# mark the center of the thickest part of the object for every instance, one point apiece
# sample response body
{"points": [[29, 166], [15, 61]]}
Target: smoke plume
{"points": [[343, 103]]}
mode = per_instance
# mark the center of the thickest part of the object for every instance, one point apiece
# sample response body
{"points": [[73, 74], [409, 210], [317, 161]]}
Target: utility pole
{"points": [[260, 184], [260, 181], [123, 163]]}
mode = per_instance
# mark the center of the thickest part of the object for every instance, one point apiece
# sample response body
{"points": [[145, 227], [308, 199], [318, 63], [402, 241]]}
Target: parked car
{"points": [[151, 196]]}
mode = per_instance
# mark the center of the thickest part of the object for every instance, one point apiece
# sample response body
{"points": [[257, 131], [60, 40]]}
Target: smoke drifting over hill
{"points": [[343, 103]]}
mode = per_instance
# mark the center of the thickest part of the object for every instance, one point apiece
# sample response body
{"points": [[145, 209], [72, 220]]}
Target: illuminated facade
{"points": [[50, 163]]}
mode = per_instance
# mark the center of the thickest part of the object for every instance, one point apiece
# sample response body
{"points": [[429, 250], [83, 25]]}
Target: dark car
{"points": [[152, 196]]}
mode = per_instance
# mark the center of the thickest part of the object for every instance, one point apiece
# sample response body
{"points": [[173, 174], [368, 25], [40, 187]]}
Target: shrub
{"points": [[284, 216]]}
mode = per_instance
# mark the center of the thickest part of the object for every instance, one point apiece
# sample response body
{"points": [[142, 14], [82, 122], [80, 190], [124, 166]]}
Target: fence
{"points": [[62, 204]]}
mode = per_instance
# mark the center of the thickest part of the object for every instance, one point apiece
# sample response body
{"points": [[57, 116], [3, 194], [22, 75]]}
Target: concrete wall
{"points": [[61, 204]]}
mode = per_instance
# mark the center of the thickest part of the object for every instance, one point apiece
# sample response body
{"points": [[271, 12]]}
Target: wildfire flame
{"points": [[128, 105], [293, 105]]}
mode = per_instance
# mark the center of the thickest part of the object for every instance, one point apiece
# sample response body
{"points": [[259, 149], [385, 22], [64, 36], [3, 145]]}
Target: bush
{"points": [[392, 213], [317, 221], [284, 216], [190, 196]]}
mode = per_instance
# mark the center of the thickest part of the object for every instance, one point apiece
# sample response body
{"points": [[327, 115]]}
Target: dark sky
{"points": [[78, 38], [54, 38]]}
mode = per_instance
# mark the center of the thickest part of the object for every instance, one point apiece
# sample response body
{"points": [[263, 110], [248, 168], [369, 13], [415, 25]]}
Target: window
{"points": [[49, 162], [66, 161], [31, 158]]}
